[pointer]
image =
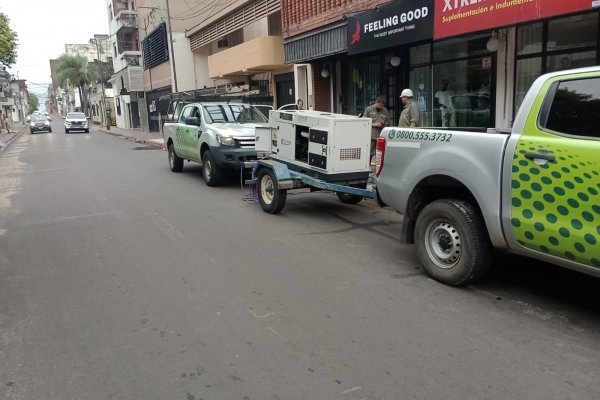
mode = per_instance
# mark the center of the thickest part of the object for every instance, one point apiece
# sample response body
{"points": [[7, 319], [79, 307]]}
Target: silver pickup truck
{"points": [[533, 190], [220, 135]]}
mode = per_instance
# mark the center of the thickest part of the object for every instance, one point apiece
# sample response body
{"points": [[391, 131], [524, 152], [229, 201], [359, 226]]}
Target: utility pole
{"points": [[172, 51], [104, 105]]}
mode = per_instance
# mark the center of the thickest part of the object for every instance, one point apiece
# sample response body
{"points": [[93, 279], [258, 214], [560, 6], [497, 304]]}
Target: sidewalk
{"points": [[153, 139], [7, 138]]}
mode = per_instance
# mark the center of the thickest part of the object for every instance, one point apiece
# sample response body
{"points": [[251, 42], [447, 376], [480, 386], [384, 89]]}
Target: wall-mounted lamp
{"points": [[493, 43], [395, 61], [325, 71]]}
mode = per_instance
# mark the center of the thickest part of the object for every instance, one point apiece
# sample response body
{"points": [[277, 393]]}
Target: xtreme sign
{"points": [[389, 25], [456, 17], [408, 21]]}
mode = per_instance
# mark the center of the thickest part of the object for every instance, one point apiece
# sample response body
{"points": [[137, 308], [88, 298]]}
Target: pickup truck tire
{"points": [[213, 175], [271, 199], [175, 162], [452, 243]]}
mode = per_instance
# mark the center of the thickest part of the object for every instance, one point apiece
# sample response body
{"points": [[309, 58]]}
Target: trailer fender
{"points": [[281, 171]]}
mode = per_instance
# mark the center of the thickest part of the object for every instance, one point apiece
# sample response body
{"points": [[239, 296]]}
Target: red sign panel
{"points": [[455, 17]]}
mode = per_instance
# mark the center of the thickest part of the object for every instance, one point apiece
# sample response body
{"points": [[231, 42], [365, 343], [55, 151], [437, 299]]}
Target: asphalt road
{"points": [[122, 280]]}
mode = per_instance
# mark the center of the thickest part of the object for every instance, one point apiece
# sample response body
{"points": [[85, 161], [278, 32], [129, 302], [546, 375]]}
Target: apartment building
{"points": [[232, 48], [127, 80], [13, 97]]}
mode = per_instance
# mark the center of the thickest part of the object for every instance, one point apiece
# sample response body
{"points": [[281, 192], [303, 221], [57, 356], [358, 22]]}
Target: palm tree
{"points": [[77, 71]]}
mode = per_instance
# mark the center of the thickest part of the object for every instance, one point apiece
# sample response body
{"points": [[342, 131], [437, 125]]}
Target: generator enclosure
{"points": [[325, 145]]}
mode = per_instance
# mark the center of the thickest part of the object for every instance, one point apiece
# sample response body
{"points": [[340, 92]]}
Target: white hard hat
{"points": [[406, 93]]}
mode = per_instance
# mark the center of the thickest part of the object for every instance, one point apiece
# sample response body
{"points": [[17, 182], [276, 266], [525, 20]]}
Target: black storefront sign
{"points": [[389, 25]]}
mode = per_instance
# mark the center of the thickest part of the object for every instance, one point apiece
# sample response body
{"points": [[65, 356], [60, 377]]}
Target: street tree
{"points": [[75, 70], [8, 42], [33, 101]]}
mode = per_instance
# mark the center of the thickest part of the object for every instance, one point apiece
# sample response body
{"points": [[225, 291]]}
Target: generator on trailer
{"points": [[323, 151]]}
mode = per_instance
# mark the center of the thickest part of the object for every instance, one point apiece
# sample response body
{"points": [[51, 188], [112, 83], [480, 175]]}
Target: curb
{"points": [[13, 136], [132, 139]]}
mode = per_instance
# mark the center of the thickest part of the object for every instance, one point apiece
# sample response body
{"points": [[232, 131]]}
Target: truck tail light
{"points": [[379, 155]]}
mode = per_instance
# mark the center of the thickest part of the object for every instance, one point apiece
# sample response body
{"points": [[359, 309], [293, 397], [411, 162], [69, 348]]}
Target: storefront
{"points": [[468, 65], [528, 38], [391, 48]]}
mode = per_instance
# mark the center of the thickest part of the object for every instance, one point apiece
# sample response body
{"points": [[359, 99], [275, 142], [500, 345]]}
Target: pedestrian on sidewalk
{"points": [[6, 123], [2, 124]]}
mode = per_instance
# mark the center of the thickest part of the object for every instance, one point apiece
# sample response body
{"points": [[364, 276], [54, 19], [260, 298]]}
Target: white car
{"points": [[76, 121]]}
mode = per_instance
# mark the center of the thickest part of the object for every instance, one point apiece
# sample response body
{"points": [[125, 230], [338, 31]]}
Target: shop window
{"points": [[364, 84], [460, 48], [573, 32], [571, 43], [420, 83], [420, 54], [528, 70], [461, 94], [575, 108], [529, 39], [561, 62]]}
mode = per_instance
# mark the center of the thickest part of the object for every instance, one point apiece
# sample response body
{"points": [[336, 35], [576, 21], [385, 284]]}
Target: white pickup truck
{"points": [[533, 190], [220, 135]]}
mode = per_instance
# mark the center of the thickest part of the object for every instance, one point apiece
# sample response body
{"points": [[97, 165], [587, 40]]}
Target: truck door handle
{"points": [[541, 156]]}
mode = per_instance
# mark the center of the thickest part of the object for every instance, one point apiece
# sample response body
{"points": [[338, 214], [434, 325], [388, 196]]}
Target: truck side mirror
{"points": [[192, 121]]}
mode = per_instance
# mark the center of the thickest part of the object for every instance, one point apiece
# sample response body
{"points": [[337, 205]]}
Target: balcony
{"points": [[263, 54], [126, 19], [132, 58]]}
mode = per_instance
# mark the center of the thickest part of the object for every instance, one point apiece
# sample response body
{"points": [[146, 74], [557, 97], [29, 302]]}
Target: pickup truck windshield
{"points": [[224, 113]]}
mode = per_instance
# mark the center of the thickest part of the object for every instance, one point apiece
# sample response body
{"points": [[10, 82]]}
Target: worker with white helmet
{"points": [[409, 118]]}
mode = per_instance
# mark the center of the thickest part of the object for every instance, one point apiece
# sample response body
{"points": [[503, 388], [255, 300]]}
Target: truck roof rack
{"points": [[205, 96]]}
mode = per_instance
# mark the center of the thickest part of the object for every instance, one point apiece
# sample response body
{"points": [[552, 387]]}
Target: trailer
{"points": [[311, 149]]}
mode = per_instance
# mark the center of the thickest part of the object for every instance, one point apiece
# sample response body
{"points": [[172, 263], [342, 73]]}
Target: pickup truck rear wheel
{"points": [[452, 243], [271, 199], [175, 163], [213, 175]]}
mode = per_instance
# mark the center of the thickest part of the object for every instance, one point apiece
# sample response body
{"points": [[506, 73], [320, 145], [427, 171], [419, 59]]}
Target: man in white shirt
{"points": [[443, 99]]}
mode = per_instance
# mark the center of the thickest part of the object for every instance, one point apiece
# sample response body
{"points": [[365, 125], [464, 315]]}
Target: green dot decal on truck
{"points": [[555, 188], [553, 203]]}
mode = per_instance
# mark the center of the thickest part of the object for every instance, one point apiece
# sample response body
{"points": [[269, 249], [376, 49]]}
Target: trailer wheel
{"points": [[272, 200], [452, 243], [175, 163], [348, 198]]}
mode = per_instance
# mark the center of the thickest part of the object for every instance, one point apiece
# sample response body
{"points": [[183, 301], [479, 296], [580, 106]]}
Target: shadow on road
{"points": [[516, 276]]}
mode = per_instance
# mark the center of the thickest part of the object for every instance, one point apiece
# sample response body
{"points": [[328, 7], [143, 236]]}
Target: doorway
{"points": [[284, 89]]}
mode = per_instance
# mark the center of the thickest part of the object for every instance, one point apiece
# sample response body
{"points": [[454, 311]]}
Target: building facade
{"points": [[127, 80], [480, 57], [231, 48]]}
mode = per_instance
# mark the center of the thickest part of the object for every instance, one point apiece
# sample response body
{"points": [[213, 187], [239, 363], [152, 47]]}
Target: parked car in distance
{"points": [[76, 121], [39, 123]]}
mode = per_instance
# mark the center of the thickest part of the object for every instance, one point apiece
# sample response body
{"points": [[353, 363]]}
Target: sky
{"points": [[44, 27]]}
